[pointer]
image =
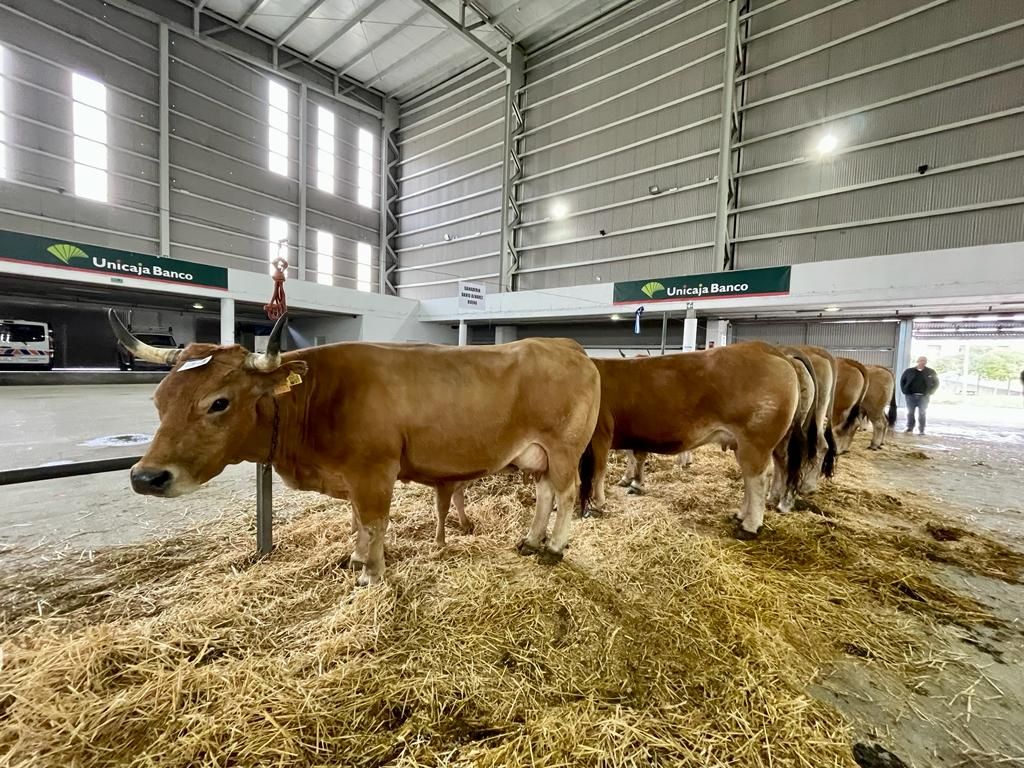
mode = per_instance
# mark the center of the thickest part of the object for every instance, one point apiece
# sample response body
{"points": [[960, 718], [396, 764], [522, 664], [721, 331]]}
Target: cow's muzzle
{"points": [[151, 482]]}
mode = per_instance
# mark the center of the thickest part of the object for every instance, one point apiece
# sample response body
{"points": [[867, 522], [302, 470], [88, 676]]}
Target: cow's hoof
{"points": [[744, 535], [353, 564], [468, 528], [634, 490], [367, 579], [549, 557], [591, 512], [624, 483], [525, 548]]}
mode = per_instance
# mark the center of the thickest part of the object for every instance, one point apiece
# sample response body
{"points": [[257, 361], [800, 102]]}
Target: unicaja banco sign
{"points": [[60, 254], [770, 281]]}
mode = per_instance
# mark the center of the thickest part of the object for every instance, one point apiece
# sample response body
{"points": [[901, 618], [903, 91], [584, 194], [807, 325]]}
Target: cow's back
{"points": [[449, 412], [658, 403]]}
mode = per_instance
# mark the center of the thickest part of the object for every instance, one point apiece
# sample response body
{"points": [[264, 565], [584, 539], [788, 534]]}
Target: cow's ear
{"points": [[285, 377]]}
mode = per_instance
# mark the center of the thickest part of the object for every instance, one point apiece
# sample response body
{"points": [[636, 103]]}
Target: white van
{"points": [[25, 344]]}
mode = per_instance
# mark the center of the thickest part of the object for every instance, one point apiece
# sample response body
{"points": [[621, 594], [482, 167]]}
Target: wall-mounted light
{"points": [[447, 237], [559, 210], [654, 189], [197, 305], [827, 144], [616, 317], [831, 309]]}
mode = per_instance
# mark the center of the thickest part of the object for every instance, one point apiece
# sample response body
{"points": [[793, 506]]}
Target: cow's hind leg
{"points": [[879, 427], [685, 459], [600, 444], [636, 485], [630, 474], [563, 479], [533, 542], [465, 524], [754, 466]]}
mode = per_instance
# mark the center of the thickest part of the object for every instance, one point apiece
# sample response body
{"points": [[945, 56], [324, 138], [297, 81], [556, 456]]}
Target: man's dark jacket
{"points": [[919, 382]]}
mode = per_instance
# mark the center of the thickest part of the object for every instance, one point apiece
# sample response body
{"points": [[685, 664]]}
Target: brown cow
{"points": [[821, 447], [350, 419], [678, 402], [881, 392], [851, 387]]}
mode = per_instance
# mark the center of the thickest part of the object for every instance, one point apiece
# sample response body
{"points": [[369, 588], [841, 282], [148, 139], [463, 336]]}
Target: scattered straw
{"points": [[660, 640]]}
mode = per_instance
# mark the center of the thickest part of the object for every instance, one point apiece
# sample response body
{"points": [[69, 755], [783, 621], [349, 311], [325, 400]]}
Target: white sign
{"points": [[471, 295]]}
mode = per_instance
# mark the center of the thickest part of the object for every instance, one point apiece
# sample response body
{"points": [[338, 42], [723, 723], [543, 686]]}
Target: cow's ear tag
{"points": [[189, 364], [285, 386]]}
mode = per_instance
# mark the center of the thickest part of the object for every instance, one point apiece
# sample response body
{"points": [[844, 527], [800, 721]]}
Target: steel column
{"points": [[264, 509], [303, 175], [664, 331], [387, 260], [512, 166], [227, 321], [690, 331], [721, 257], [463, 333], [164, 150], [904, 340]]}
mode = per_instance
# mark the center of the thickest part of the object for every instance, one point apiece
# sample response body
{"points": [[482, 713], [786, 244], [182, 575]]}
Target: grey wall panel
{"points": [[870, 342], [919, 139], [449, 186]]}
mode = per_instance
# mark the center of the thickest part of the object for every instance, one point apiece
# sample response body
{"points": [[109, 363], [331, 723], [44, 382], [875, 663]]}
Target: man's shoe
{"points": [[908, 431]]}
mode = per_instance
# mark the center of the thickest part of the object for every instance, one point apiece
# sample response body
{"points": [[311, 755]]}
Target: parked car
{"points": [[25, 345], [126, 360]]}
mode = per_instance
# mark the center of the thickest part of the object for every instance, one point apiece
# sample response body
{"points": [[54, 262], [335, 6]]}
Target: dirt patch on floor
{"points": [[660, 640]]}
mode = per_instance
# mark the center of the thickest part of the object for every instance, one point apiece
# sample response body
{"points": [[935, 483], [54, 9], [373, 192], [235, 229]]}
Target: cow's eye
{"points": [[218, 405]]}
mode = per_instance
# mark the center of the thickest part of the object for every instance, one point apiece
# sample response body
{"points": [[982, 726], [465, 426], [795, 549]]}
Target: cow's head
{"points": [[215, 409]]}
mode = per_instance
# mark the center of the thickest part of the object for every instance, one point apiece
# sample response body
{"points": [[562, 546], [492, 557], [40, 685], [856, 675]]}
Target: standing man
{"points": [[918, 384]]}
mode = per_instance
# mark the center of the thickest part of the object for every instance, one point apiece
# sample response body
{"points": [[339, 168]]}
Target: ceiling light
{"points": [[831, 309], [197, 305], [559, 211], [827, 143], [616, 317]]}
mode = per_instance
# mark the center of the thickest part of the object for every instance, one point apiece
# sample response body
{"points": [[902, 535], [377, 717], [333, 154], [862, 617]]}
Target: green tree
{"points": [[998, 364], [949, 364]]}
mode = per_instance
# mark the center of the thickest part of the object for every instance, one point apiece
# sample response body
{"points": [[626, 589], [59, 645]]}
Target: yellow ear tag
{"points": [[285, 386]]}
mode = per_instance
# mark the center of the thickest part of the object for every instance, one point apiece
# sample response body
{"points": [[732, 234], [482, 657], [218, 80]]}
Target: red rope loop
{"points": [[277, 306]]}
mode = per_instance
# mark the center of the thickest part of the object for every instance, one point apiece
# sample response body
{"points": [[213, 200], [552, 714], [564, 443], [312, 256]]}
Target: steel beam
{"points": [[303, 176], [164, 149], [309, 11], [382, 73], [343, 30], [465, 34], [725, 196], [251, 11], [387, 260], [377, 43]]}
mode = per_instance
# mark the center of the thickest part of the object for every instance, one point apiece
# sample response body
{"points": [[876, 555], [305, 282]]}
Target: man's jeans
{"points": [[920, 402]]}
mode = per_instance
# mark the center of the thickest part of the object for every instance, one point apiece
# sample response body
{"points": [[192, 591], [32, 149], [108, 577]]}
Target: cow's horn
{"points": [[138, 348], [271, 359]]}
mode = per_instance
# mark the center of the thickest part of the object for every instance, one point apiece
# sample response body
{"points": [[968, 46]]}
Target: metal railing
{"points": [[264, 487]]}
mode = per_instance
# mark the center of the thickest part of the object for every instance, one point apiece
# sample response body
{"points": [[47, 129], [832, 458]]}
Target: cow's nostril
{"points": [[150, 481]]}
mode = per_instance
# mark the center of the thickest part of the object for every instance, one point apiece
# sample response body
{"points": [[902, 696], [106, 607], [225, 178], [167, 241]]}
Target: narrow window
{"points": [[89, 122], [277, 138], [364, 270], [277, 240]]}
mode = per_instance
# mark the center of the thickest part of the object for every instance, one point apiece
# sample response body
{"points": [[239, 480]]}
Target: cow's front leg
{"points": [[630, 474], [636, 485], [361, 550], [371, 501], [533, 542]]}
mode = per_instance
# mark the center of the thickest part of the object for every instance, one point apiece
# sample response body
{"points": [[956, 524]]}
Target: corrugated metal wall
{"points": [[631, 103], [871, 342], [924, 99], [221, 189], [450, 146]]}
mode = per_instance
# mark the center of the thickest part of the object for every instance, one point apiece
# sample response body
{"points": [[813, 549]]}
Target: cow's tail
{"points": [[811, 424], [587, 466], [891, 415], [855, 411], [828, 464]]}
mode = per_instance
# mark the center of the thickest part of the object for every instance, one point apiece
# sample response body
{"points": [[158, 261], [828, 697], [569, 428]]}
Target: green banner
{"points": [[62, 254], [770, 281]]}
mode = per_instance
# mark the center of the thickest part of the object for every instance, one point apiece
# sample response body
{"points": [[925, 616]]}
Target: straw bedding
{"points": [[660, 640]]}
